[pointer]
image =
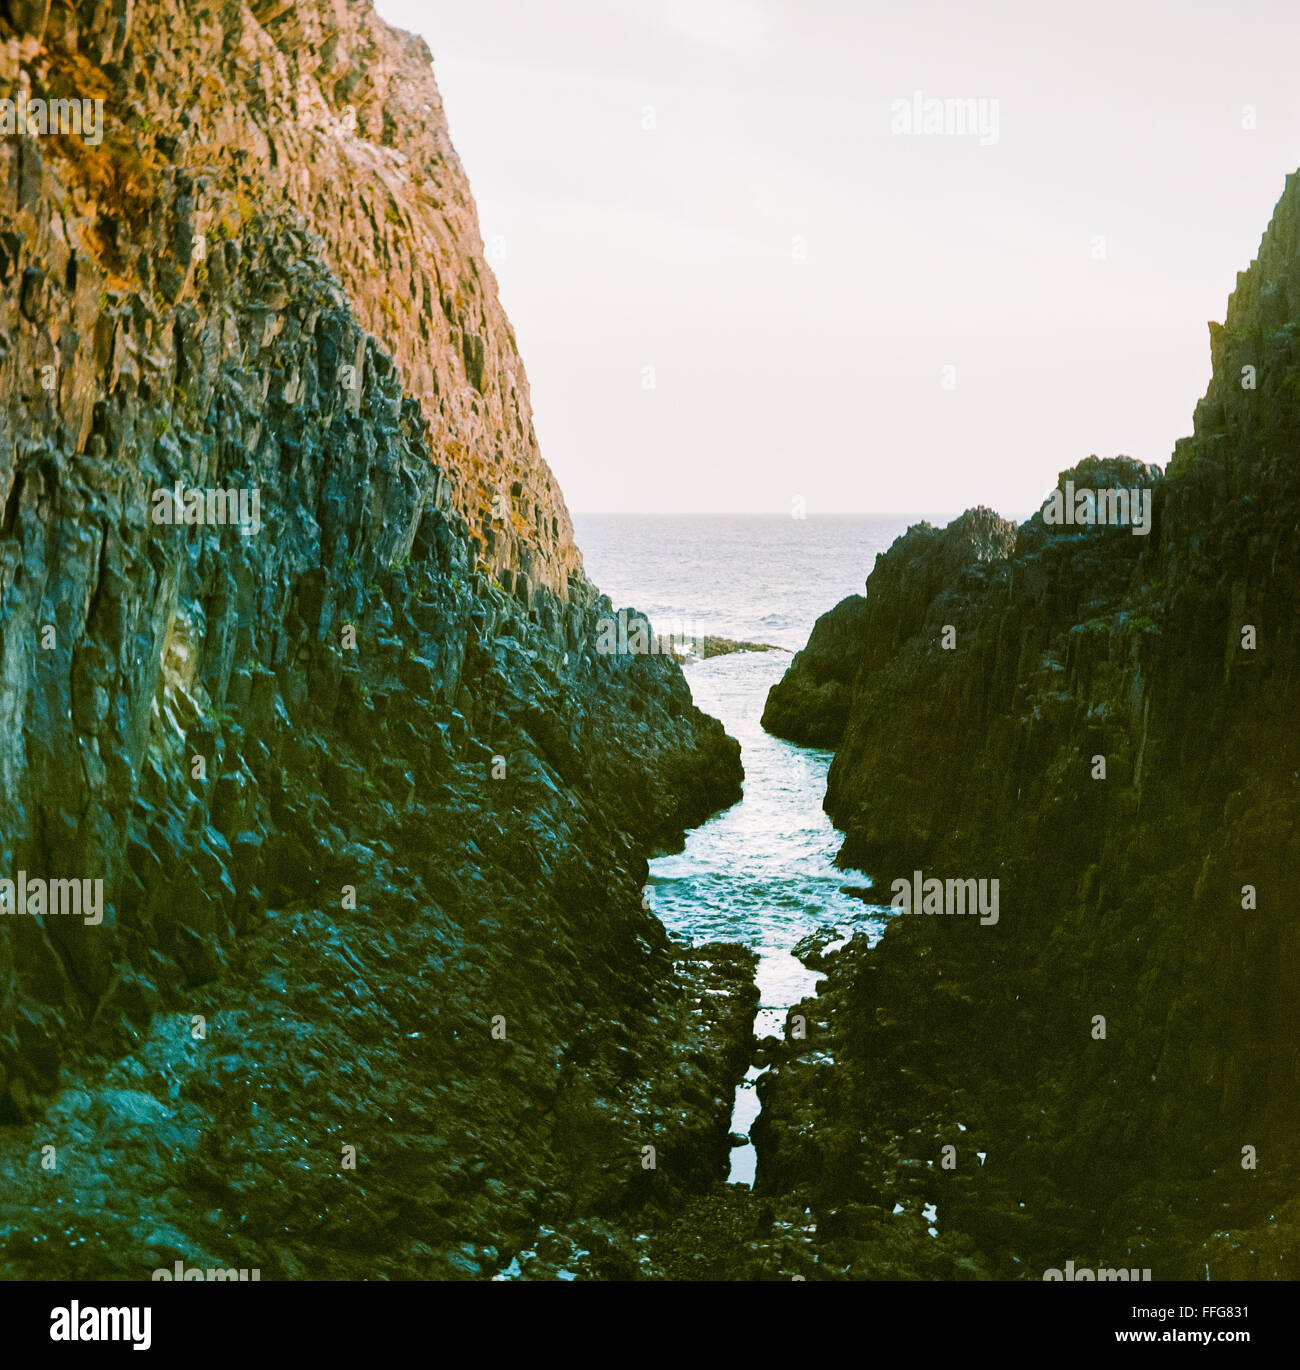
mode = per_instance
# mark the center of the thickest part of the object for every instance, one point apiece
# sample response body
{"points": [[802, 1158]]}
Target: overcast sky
{"points": [[713, 189]]}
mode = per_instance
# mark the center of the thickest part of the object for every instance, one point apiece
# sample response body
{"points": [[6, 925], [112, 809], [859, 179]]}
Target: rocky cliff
{"points": [[810, 703], [1104, 721], [373, 991], [215, 116]]}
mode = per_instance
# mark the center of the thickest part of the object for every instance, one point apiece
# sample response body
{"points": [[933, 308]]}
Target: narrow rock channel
{"points": [[761, 872]]}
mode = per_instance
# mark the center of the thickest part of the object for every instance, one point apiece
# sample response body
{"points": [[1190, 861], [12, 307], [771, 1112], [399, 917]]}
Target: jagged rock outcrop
{"points": [[1121, 1045], [370, 808], [810, 703]]}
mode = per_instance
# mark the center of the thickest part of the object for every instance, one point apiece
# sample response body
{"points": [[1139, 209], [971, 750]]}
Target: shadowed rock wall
{"points": [[1110, 731]]}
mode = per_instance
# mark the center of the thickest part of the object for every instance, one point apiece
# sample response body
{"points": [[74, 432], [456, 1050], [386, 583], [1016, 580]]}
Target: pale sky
{"points": [[675, 246]]}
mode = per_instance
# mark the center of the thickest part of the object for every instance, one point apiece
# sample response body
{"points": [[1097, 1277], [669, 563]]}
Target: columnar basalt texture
{"points": [[370, 809], [1159, 895], [215, 115]]}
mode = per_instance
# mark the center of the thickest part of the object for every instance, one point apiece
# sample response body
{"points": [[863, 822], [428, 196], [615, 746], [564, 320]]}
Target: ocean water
{"points": [[761, 872], [754, 579]]}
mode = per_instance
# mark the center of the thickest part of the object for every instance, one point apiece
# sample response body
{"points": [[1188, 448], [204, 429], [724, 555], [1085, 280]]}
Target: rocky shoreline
{"points": [[376, 993], [1104, 724]]}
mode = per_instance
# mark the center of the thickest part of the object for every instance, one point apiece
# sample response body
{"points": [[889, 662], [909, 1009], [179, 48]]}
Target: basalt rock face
{"points": [[375, 992], [1123, 1044], [216, 115], [810, 703], [928, 590]]}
